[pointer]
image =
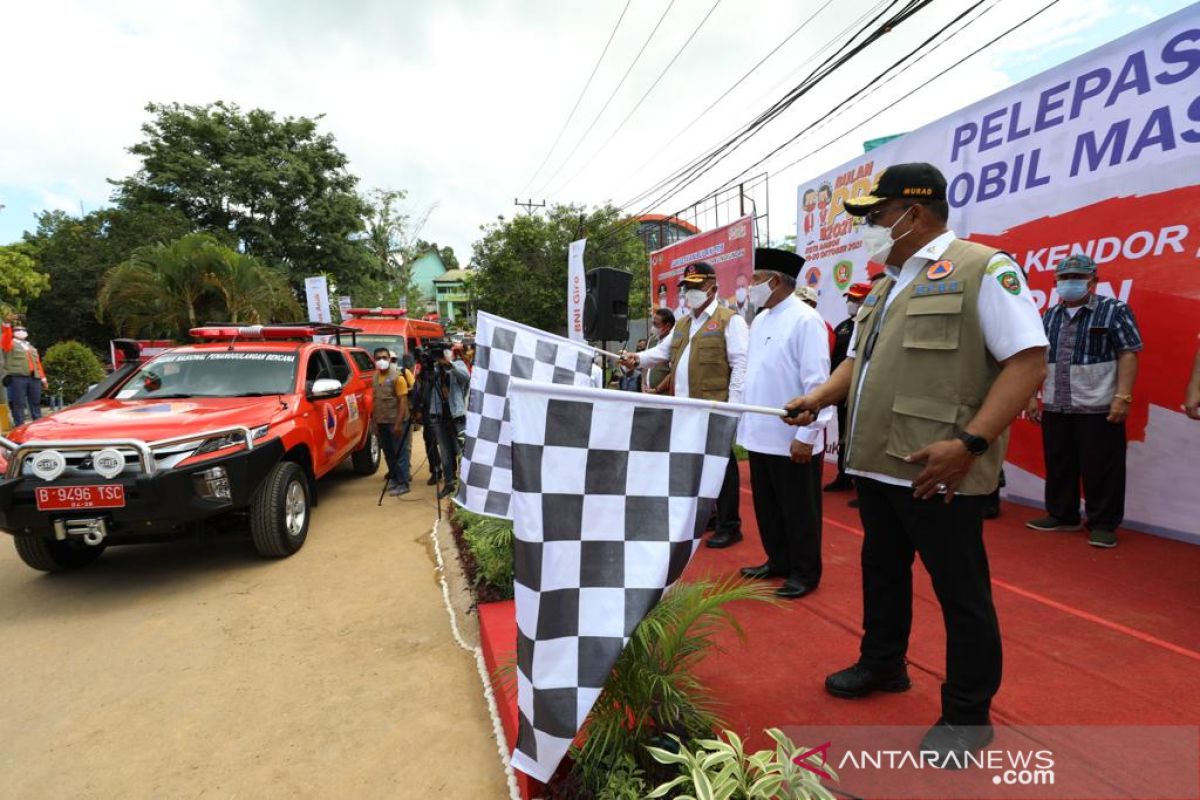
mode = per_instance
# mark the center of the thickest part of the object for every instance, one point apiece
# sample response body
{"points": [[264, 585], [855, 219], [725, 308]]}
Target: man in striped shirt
{"points": [[1093, 361]]}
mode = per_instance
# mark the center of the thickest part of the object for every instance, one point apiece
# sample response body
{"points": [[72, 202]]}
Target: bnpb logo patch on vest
{"points": [[939, 270]]}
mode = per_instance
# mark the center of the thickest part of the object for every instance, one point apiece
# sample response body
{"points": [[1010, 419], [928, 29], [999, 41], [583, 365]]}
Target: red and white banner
{"points": [[729, 249], [1099, 156]]}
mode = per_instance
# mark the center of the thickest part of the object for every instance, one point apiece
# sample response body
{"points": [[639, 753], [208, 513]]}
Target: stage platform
{"points": [[1091, 636]]}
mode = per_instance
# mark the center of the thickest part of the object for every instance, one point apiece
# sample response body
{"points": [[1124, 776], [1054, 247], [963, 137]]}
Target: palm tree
{"points": [[169, 288], [252, 292], [159, 289]]}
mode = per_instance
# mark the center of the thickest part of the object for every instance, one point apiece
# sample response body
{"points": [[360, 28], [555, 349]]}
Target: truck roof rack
{"points": [[276, 331]]}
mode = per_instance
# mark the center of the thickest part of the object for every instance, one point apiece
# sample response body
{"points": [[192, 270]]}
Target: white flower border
{"points": [[480, 665]]}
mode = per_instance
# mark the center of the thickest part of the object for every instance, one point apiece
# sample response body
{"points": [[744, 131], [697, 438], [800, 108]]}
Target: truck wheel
{"points": [[280, 510], [50, 555], [365, 460]]}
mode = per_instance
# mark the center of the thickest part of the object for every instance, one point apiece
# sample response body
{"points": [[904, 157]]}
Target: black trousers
{"points": [[729, 519], [1090, 447], [787, 506], [843, 436], [431, 450], [949, 538]]}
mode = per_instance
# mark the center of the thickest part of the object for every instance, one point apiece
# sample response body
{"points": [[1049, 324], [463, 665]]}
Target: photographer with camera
{"points": [[440, 401]]}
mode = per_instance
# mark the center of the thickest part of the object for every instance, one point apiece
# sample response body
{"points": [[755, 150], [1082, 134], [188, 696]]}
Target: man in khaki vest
{"points": [[948, 347], [707, 355], [391, 385], [23, 374]]}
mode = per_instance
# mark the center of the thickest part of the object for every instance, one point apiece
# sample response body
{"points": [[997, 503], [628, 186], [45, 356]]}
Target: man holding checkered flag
{"points": [[610, 493], [707, 355]]}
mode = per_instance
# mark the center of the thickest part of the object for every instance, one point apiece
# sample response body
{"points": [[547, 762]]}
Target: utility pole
{"points": [[528, 205]]}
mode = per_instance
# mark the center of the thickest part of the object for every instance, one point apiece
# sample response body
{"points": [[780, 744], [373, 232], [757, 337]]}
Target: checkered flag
{"points": [[505, 349], [611, 492]]}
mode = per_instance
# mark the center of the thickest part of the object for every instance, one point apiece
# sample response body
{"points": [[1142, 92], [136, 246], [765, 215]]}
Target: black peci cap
{"points": [[919, 181], [781, 261]]}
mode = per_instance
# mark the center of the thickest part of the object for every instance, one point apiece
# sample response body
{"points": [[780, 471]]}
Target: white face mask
{"points": [[22, 335], [877, 240], [695, 298], [383, 363], [760, 293], [449, 356], [740, 294], [852, 308]]}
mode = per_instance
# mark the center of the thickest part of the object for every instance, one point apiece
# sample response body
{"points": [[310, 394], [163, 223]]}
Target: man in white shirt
{"points": [[789, 355], [707, 355]]}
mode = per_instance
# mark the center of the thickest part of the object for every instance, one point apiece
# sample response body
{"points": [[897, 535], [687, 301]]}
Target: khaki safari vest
{"points": [[708, 366], [929, 371], [387, 401], [22, 359]]}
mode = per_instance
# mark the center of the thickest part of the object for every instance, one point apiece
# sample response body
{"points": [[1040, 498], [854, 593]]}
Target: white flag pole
{"points": [[657, 399]]}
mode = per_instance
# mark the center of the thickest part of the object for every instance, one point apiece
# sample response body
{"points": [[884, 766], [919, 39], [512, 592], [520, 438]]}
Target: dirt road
{"points": [[197, 669]]}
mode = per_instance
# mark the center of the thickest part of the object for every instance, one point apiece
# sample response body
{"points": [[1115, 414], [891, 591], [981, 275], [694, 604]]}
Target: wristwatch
{"points": [[976, 445], [1128, 398]]}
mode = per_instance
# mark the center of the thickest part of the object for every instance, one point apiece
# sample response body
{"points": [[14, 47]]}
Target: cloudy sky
{"points": [[459, 101]]}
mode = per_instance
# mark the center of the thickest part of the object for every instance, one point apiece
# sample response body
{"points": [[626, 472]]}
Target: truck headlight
{"points": [[212, 484], [229, 440]]}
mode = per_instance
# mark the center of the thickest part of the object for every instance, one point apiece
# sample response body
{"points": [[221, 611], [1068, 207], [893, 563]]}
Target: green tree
{"points": [[165, 289], [75, 252], [71, 367], [279, 188], [20, 278], [521, 263], [386, 240]]}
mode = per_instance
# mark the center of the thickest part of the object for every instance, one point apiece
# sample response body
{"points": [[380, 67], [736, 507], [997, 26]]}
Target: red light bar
{"points": [[377, 312], [232, 332]]}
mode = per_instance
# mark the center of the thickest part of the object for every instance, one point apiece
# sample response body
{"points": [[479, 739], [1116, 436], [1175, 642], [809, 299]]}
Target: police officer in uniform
{"points": [[707, 355], [949, 347]]}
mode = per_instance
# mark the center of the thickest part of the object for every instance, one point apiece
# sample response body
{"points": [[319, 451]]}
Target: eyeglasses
{"points": [[872, 217]]}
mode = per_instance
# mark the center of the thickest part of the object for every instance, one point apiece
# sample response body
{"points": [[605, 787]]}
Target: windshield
{"points": [[391, 341], [216, 374]]}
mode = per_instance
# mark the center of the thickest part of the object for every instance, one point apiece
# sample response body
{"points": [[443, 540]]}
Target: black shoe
{"points": [[761, 572], [447, 490], [841, 483], [433, 479], [991, 512], [860, 681], [793, 589], [950, 744], [720, 540]]}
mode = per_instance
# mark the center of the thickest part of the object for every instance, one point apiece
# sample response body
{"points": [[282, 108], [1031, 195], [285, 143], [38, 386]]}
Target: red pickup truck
{"points": [[242, 423]]}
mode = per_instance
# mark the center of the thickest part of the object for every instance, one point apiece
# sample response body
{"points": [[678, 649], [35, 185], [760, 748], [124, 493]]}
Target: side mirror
{"points": [[325, 388]]}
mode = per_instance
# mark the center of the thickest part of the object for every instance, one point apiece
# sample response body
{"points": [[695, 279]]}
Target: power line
{"points": [[967, 57], [866, 86], [579, 99], [736, 84], [857, 95], [703, 165], [604, 108], [681, 175], [638, 104]]}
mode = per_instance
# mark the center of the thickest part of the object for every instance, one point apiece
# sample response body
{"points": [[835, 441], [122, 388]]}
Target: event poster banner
{"points": [[730, 250], [316, 292], [1102, 156], [575, 289]]}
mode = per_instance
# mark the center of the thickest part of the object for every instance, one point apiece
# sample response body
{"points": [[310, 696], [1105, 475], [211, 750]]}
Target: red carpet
{"points": [[1091, 636]]}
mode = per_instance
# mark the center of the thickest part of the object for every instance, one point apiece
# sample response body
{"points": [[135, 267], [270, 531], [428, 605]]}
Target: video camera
{"points": [[430, 352]]}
